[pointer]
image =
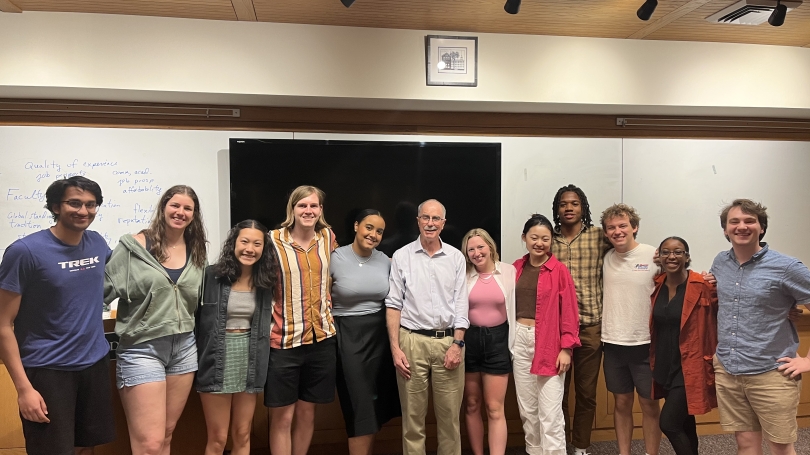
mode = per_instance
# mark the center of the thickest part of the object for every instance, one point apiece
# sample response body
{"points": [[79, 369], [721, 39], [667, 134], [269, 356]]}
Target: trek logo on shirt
{"points": [[81, 264], [641, 267]]}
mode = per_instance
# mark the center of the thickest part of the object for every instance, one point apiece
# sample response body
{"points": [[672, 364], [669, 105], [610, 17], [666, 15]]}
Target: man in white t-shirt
{"points": [[628, 272]]}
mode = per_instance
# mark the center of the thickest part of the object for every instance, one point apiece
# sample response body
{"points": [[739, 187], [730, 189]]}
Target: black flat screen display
{"points": [[392, 177]]}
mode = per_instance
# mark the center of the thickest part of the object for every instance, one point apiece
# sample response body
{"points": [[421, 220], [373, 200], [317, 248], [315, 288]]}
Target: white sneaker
{"points": [[580, 451]]}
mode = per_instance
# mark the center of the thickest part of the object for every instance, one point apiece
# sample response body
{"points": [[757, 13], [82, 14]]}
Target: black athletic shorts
{"points": [[305, 373], [79, 407]]}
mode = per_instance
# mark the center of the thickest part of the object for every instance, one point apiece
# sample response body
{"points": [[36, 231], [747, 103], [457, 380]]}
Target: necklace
{"points": [[359, 262], [485, 277]]}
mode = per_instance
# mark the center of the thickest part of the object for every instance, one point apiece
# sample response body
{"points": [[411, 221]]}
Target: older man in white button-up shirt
{"points": [[427, 315]]}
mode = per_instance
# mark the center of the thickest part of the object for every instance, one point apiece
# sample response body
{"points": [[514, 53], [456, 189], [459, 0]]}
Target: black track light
{"points": [[646, 10], [347, 3], [778, 15], [512, 6]]}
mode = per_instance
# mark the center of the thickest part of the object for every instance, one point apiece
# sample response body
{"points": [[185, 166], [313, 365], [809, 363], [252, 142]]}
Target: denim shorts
{"points": [[153, 360]]}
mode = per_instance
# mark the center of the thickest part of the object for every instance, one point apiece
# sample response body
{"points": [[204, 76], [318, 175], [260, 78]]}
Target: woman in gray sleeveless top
{"points": [[366, 380]]}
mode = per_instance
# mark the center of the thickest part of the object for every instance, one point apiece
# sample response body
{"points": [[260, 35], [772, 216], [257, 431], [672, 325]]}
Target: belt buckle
{"points": [[443, 334]]}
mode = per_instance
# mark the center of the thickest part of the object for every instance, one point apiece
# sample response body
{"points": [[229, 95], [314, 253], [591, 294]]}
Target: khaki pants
{"points": [[426, 359]]}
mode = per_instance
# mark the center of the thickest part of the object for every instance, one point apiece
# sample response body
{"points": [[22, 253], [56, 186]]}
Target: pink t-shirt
{"points": [[487, 303]]}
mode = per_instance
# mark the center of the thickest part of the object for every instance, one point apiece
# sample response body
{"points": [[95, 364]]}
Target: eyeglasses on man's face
{"points": [[426, 219], [77, 204], [676, 253]]}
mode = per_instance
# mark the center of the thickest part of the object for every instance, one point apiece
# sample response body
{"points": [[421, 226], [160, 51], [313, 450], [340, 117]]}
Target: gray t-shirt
{"points": [[358, 290]]}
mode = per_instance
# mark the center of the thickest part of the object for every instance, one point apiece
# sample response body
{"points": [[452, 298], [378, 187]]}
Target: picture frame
{"points": [[451, 60]]}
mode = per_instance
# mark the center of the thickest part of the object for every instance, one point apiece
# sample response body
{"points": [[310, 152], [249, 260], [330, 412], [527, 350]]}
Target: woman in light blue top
{"points": [[366, 380]]}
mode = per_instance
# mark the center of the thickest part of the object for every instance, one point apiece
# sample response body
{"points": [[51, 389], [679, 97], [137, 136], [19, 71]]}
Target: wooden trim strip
{"points": [[254, 118]]}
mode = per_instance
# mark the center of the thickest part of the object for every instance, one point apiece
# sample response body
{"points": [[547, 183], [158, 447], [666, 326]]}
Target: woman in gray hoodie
{"points": [[157, 274]]}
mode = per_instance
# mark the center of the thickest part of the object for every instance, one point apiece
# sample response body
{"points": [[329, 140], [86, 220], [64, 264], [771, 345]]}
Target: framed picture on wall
{"points": [[451, 60]]}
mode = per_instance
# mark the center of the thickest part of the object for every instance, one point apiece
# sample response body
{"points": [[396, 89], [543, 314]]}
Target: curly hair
{"points": [[618, 210], [586, 207], [194, 234], [266, 271]]}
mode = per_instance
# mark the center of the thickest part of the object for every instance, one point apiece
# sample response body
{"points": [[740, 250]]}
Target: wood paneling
{"points": [[795, 31], [193, 9], [252, 118], [588, 18], [11, 436], [7, 6], [244, 10]]}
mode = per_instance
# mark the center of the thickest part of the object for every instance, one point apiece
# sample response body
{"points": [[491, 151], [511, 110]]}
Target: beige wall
{"points": [[68, 55]]}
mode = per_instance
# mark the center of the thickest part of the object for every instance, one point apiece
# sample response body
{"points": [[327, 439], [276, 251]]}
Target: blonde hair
{"points": [[299, 193], [618, 210], [478, 232]]}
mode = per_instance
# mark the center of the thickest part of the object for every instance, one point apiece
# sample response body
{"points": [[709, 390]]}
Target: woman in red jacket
{"points": [[683, 325]]}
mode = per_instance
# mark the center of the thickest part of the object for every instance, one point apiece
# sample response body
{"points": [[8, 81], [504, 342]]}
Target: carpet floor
{"points": [[718, 444]]}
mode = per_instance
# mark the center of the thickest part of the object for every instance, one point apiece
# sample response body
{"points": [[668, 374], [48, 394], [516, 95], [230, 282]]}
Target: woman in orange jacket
{"points": [[683, 325]]}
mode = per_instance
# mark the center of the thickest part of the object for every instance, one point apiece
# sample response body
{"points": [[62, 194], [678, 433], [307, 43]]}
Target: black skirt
{"points": [[366, 377]]}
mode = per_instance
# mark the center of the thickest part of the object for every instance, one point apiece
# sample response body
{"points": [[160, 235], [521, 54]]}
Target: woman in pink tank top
{"points": [[491, 287]]}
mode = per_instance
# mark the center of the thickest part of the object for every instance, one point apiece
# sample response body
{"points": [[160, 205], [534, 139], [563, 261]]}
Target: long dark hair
{"points": [[193, 235], [584, 205], [266, 269]]}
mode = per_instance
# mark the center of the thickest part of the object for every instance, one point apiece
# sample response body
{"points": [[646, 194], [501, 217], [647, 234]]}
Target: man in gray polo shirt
{"points": [[426, 313], [756, 288]]}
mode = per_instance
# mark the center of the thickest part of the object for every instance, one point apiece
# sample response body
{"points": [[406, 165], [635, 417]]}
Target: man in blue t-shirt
{"points": [[51, 332]]}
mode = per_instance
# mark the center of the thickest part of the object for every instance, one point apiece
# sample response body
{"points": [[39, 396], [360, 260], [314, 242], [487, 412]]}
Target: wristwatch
{"points": [[460, 343]]}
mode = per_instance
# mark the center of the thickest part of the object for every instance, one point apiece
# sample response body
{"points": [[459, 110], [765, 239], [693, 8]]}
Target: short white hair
{"points": [[419, 209]]}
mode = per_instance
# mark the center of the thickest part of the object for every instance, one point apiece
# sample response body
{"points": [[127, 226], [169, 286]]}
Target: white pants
{"points": [[539, 399]]}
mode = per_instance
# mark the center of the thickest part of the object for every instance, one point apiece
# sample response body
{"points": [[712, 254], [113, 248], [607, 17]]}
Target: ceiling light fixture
{"points": [[347, 3], [512, 6], [646, 10], [778, 15]]}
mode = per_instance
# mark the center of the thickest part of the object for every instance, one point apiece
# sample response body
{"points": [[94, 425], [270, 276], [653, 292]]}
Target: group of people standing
{"points": [[289, 313]]}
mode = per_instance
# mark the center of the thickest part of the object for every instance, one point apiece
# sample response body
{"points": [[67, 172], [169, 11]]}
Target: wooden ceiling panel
{"points": [[591, 18], [677, 20], [192, 9], [795, 31]]}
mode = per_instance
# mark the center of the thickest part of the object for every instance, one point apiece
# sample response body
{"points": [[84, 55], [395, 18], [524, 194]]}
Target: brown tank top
{"points": [[526, 292]]}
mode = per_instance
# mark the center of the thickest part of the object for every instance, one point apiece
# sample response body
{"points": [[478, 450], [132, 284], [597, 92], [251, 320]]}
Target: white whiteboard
{"points": [[679, 187], [132, 166]]}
